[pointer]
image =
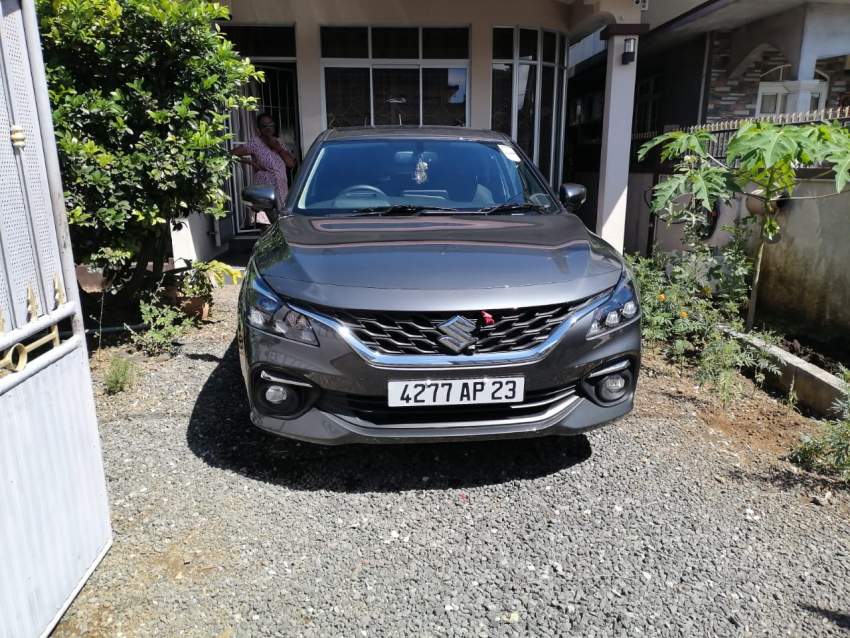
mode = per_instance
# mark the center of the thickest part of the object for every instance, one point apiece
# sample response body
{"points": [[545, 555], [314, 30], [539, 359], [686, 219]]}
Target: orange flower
{"points": [[683, 314], [662, 297]]}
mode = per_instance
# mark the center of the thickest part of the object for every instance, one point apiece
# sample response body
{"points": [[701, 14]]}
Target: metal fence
{"points": [[724, 130]]}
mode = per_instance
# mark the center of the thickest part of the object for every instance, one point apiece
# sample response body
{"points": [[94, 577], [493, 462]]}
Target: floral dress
{"points": [[274, 173]]}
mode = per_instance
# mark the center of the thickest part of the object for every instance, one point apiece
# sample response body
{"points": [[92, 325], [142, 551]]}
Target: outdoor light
{"points": [[276, 394], [629, 48], [612, 388]]}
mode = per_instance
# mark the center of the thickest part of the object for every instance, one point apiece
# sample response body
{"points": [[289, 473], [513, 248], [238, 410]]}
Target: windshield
{"points": [[458, 175]]}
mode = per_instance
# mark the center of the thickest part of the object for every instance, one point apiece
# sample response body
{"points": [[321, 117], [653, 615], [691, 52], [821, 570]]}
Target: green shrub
{"points": [[829, 451], [165, 324], [140, 91], [120, 375], [689, 302]]}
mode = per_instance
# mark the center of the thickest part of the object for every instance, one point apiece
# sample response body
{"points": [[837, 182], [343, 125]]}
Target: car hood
{"points": [[457, 262]]}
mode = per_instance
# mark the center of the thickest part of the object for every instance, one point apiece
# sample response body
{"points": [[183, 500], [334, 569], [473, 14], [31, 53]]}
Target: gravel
{"points": [[654, 526]]}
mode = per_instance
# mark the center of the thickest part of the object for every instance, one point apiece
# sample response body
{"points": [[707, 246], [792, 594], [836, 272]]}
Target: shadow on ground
{"points": [[837, 618], [220, 432]]}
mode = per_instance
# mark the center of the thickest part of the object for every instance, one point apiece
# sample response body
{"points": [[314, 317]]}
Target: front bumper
{"points": [[335, 369]]}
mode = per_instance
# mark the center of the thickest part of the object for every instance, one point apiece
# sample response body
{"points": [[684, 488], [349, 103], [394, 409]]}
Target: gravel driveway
{"points": [[654, 526]]}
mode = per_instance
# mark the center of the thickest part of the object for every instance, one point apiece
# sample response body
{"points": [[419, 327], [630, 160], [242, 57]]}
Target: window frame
{"points": [[560, 70], [372, 62]]}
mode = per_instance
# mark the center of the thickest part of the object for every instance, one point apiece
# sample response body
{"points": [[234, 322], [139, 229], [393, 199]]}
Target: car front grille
{"points": [[418, 333], [375, 410]]}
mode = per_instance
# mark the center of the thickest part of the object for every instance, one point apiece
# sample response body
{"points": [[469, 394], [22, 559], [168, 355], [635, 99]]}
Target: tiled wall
{"points": [[731, 98]]}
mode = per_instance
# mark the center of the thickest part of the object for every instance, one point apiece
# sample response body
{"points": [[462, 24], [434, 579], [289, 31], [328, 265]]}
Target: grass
{"points": [[120, 375]]}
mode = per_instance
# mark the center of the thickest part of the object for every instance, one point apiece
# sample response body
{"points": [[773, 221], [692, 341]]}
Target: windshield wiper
{"points": [[397, 209], [511, 207]]}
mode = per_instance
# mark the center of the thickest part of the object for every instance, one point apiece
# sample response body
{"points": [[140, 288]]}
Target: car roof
{"points": [[417, 132]]}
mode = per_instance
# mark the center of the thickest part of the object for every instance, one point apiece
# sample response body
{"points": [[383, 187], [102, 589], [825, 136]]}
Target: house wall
{"points": [[480, 15], [806, 276], [735, 97]]}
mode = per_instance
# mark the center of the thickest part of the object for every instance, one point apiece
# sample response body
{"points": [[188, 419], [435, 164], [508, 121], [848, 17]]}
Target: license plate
{"points": [[455, 391]]}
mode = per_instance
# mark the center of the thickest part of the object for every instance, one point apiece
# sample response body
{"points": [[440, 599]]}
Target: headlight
{"points": [[620, 309], [266, 311]]}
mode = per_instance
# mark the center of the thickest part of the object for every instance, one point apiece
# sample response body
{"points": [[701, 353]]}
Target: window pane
{"points": [[347, 97], [502, 81], [562, 45], [814, 102], [444, 97], [396, 96], [768, 103], [395, 43], [550, 44], [503, 44], [527, 44], [547, 96], [445, 44], [526, 92], [262, 41], [345, 42]]}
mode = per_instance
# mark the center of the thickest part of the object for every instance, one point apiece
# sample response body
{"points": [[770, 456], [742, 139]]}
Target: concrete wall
{"points": [[661, 11], [807, 275], [193, 240]]}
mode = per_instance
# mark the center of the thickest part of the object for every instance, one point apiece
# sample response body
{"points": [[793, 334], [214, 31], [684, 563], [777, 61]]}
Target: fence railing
{"points": [[724, 130]]}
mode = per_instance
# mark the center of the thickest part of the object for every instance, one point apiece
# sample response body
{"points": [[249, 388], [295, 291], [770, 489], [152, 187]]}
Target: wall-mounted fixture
{"points": [[629, 48]]}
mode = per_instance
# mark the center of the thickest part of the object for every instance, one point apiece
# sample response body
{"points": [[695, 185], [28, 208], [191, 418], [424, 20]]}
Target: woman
{"points": [[269, 159]]}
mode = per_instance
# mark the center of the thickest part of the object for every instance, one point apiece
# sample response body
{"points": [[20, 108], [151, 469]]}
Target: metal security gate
{"points": [[54, 517]]}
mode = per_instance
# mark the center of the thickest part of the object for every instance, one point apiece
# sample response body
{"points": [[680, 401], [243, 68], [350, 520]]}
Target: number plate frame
{"points": [[445, 392]]}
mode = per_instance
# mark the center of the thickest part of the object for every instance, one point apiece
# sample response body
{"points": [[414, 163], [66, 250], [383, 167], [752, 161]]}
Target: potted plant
{"points": [[191, 288]]}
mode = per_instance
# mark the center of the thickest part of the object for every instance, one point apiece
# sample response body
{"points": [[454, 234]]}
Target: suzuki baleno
{"points": [[427, 284]]}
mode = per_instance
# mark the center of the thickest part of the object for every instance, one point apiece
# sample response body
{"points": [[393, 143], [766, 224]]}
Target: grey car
{"points": [[426, 284]]}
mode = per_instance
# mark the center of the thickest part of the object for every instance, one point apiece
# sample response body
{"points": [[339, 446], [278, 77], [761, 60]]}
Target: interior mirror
{"points": [[573, 196], [259, 196]]}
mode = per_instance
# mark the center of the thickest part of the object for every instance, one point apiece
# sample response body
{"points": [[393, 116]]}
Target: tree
{"points": [[761, 163], [140, 91]]}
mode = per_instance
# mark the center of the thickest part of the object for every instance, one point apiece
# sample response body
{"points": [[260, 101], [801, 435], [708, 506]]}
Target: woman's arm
{"points": [[287, 157], [246, 157]]}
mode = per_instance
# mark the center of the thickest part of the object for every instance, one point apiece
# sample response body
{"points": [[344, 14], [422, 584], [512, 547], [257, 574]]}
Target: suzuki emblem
{"points": [[458, 333]]}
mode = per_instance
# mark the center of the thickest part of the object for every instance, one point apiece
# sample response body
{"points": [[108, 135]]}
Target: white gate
{"points": [[54, 517]]}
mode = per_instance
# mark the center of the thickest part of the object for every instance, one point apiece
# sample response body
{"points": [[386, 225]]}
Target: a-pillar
{"points": [[616, 133]]}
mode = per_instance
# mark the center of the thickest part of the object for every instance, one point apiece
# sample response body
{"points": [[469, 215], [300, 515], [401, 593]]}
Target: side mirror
{"points": [[259, 196], [572, 196]]}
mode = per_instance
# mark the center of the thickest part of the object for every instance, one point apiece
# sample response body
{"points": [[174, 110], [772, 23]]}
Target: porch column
{"points": [[616, 134]]}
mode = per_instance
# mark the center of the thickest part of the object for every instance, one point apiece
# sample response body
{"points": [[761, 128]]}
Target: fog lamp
{"points": [[612, 388], [276, 394]]}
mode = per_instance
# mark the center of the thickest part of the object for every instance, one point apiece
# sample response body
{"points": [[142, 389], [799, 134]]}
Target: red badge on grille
{"points": [[488, 318]]}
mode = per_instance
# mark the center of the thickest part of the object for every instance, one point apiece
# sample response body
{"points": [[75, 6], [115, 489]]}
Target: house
{"points": [[708, 62], [476, 63]]}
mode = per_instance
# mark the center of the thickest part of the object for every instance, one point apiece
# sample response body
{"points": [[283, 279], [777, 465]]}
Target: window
{"points": [[529, 75], [395, 76], [347, 97], [649, 96], [261, 41], [345, 42], [777, 95]]}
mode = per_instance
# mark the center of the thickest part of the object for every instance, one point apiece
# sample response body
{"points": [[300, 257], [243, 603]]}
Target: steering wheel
{"points": [[352, 191]]}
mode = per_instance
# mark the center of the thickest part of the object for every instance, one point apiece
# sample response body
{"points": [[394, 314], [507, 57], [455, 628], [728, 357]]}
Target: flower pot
{"points": [[195, 307]]}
